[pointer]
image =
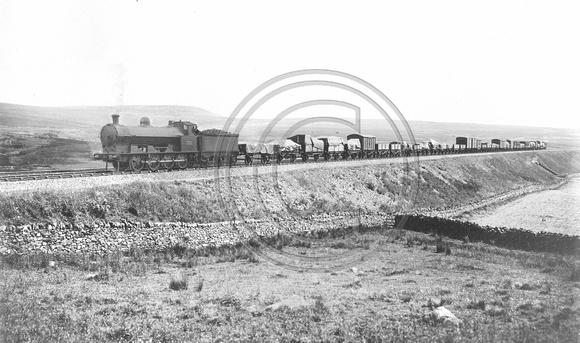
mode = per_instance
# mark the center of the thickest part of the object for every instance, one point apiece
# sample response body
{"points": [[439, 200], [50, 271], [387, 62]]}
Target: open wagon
{"points": [[310, 147], [262, 152], [333, 147]]}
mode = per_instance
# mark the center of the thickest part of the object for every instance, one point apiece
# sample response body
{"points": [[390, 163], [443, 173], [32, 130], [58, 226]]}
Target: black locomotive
{"points": [[178, 145]]}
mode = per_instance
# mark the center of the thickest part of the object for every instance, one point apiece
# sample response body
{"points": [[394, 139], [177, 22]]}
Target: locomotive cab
{"points": [[189, 140], [188, 128]]}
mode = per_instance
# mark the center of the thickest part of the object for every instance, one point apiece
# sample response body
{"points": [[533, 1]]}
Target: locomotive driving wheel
{"points": [[169, 163], [182, 161], [153, 163], [136, 163]]}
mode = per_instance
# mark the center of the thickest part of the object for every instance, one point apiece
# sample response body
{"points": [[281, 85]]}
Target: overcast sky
{"points": [[502, 62]]}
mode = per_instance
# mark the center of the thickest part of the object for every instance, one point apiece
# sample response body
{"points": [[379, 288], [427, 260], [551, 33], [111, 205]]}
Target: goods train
{"points": [[182, 145]]}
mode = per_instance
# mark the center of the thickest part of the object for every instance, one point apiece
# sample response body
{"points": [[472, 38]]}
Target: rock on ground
{"points": [[293, 303], [444, 316]]}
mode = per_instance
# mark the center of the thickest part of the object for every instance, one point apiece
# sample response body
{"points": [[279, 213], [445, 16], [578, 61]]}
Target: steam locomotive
{"points": [[182, 145], [179, 145]]}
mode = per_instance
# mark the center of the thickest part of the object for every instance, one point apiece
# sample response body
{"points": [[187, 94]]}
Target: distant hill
{"points": [[85, 122], [86, 117], [424, 130]]}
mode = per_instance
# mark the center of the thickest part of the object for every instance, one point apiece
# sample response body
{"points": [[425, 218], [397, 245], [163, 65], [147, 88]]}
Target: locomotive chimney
{"points": [[115, 119]]}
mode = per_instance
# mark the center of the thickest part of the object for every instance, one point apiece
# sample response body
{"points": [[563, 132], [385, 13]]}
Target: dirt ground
{"points": [[552, 210]]}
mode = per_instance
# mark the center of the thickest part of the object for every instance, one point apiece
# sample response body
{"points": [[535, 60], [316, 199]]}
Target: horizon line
{"points": [[214, 113]]}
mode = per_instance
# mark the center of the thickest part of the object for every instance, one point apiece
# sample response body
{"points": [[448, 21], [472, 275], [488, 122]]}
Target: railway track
{"points": [[13, 176], [26, 175], [22, 175], [10, 176]]}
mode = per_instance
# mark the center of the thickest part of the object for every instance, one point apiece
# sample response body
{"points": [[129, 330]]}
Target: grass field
{"points": [[222, 295]]}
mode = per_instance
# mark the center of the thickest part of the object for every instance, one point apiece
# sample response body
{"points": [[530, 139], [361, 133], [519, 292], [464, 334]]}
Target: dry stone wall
{"points": [[108, 237]]}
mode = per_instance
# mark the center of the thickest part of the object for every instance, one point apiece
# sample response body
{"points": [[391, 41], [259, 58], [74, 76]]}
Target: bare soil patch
{"points": [[555, 210]]}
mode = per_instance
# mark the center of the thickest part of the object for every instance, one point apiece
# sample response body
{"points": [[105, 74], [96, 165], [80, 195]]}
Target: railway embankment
{"points": [[197, 212]]}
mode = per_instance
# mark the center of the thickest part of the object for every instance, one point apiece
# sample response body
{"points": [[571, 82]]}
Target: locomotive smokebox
{"points": [[115, 119]]}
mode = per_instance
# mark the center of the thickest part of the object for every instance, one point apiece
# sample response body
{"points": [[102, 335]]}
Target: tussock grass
{"points": [[342, 245], [199, 285], [477, 305], [228, 300], [181, 283], [575, 273]]}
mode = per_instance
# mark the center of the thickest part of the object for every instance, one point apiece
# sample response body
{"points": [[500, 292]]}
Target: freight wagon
{"points": [[367, 144]]}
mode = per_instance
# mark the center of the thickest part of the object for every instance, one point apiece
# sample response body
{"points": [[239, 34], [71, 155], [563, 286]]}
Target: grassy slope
{"points": [[439, 183]]}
